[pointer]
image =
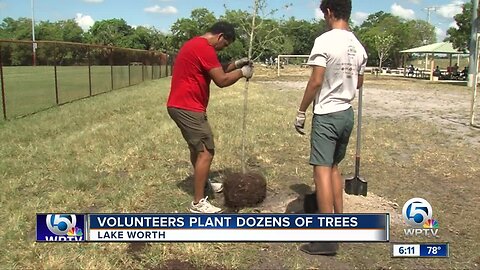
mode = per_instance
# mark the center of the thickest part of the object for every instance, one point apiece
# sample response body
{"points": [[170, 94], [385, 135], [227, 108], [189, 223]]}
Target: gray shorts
{"points": [[194, 127], [330, 135]]}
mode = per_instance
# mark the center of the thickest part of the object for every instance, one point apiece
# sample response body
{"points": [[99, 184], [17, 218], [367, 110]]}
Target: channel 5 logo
{"points": [[418, 213], [60, 227]]}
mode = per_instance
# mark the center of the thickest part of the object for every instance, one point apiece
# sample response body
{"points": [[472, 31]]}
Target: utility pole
{"points": [[34, 44], [429, 10]]}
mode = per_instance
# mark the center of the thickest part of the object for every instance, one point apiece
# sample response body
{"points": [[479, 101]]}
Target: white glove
{"points": [[300, 122], [247, 71], [243, 62]]}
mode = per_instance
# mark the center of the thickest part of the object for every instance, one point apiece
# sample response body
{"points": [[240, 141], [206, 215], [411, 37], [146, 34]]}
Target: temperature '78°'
{"points": [[433, 250]]}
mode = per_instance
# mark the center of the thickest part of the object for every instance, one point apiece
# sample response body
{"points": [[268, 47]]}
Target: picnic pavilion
{"points": [[430, 51]]}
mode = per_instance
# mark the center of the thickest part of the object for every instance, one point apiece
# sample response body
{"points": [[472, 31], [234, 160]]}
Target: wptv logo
{"points": [[417, 213], [60, 227]]}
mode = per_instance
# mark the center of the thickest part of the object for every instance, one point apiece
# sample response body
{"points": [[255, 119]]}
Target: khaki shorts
{"points": [[194, 127], [330, 135]]}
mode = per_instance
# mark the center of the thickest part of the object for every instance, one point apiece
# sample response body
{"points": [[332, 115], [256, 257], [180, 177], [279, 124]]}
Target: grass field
{"points": [[120, 152], [31, 89]]}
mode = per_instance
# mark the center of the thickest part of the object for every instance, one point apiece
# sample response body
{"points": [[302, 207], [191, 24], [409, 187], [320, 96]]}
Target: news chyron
{"points": [[60, 228]]}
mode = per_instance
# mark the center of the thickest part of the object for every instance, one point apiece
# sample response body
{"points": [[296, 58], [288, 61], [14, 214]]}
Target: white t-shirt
{"points": [[344, 58]]}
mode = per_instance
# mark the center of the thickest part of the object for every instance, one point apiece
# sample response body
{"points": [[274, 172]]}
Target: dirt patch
{"points": [[176, 264], [285, 85], [445, 105], [244, 190], [448, 111], [293, 203]]}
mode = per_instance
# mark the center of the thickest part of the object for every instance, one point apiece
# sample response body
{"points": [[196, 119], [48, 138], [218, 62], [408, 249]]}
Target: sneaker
{"points": [[216, 187], [320, 248], [204, 207]]}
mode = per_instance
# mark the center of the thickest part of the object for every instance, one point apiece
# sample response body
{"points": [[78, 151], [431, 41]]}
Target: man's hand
{"points": [[247, 71], [243, 62], [300, 122]]}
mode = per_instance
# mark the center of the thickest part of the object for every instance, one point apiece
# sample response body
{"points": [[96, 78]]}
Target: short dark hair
{"points": [[341, 9], [225, 28]]}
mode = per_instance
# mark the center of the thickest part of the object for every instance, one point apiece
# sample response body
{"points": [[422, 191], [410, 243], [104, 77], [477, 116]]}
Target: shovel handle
{"points": [[357, 167], [359, 132]]}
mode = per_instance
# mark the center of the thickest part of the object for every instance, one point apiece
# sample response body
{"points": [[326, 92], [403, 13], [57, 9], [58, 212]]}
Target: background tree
{"points": [[302, 33], [113, 32], [65, 30], [186, 28], [460, 36], [406, 34], [20, 29], [144, 38]]}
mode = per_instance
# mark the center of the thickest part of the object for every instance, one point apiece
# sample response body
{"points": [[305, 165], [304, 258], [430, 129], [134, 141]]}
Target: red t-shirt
{"points": [[190, 87]]}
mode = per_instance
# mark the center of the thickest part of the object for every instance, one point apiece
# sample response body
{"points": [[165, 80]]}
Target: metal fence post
{"points": [[171, 66], [55, 72], [89, 71], [166, 65], [111, 67], [4, 105], [129, 75]]}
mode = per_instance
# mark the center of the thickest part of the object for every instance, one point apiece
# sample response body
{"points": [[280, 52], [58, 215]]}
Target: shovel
{"points": [[356, 185]]}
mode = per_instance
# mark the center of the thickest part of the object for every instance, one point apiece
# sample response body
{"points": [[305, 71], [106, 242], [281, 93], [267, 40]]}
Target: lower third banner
{"points": [[237, 228]]}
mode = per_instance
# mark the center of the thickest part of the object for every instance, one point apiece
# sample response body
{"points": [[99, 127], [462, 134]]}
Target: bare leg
{"points": [[201, 170], [324, 188], [337, 183], [193, 156]]}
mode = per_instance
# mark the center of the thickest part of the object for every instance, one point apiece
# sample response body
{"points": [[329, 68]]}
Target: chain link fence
{"points": [[37, 76]]}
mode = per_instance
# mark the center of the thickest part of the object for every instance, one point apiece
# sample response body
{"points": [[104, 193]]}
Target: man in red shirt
{"points": [[196, 65]]}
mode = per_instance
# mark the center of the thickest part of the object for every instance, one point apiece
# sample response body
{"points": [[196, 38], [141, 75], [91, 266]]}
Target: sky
{"points": [[161, 14]]}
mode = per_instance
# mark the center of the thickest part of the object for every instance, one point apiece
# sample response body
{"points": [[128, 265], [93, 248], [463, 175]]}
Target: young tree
{"points": [[383, 43], [268, 40]]}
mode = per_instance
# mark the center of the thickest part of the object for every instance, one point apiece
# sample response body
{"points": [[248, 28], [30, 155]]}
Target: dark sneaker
{"points": [[320, 248]]}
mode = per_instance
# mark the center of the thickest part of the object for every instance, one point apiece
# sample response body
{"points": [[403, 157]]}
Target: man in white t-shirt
{"points": [[338, 61]]}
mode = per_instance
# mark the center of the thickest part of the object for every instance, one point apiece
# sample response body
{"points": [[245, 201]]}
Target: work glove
{"points": [[300, 122], [247, 71], [243, 62]]}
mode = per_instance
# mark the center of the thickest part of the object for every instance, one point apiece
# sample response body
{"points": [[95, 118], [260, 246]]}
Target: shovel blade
{"points": [[356, 186]]}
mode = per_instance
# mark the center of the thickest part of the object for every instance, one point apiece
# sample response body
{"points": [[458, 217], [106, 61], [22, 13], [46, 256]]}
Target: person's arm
{"points": [[314, 85], [361, 71], [224, 79], [360, 81], [228, 67]]}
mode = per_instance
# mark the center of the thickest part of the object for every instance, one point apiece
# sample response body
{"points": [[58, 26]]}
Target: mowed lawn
{"points": [[31, 89], [120, 152]]}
